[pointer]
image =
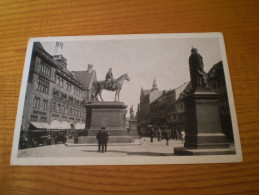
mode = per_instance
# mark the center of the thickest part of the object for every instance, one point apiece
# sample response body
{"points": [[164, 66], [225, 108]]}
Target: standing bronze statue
{"points": [[197, 72], [132, 113]]}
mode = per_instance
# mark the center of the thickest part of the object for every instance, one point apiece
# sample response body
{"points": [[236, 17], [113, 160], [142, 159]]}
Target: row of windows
{"points": [[43, 85], [43, 68], [36, 103], [68, 86], [64, 109], [63, 96], [34, 118]]}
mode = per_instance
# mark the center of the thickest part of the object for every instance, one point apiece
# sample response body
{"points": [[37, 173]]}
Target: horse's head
{"points": [[127, 77]]}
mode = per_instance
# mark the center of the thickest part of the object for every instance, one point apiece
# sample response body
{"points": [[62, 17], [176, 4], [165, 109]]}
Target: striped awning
{"points": [[39, 125]]}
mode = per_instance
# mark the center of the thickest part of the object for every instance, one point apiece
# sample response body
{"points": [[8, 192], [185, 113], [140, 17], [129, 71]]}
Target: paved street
{"points": [[141, 147]]}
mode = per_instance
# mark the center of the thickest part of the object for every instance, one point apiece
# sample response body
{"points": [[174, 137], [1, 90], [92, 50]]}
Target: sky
{"points": [[163, 59]]}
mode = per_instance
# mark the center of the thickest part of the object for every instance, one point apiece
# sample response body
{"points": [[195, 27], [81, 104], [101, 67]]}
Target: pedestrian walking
{"points": [[151, 134], [159, 135], [167, 136], [99, 139], [183, 136]]}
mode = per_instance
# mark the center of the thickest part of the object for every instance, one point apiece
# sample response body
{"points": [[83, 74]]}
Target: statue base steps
{"points": [[195, 152]]}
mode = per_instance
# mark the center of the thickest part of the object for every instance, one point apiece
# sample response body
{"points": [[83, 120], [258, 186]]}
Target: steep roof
{"points": [[85, 77], [146, 92], [180, 89]]}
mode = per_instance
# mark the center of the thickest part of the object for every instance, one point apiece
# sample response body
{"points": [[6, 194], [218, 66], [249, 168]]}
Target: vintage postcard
{"points": [[126, 100]]}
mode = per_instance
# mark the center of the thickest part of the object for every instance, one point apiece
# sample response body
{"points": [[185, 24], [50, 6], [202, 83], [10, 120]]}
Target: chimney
{"points": [[90, 68]]}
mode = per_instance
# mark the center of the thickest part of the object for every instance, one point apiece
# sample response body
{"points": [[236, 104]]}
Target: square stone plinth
{"points": [[204, 134], [111, 115]]}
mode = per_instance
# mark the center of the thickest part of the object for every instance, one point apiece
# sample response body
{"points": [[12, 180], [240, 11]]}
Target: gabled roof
{"points": [[85, 77]]}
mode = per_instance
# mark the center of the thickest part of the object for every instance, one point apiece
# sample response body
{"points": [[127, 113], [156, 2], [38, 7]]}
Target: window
{"points": [[58, 108], [70, 111], [69, 87], [71, 99], [55, 93], [65, 85], [58, 80], [63, 109], [34, 118], [63, 96], [66, 110], [36, 102], [43, 119], [43, 85], [44, 69], [61, 82], [53, 107], [44, 104]]}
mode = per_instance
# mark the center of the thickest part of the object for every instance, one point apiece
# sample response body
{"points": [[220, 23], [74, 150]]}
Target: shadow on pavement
{"points": [[133, 153]]}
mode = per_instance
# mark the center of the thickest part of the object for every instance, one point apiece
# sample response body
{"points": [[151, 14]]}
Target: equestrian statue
{"points": [[110, 84]]}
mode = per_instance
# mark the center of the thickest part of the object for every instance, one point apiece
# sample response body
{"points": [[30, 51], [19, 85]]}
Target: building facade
{"points": [[54, 97], [146, 98], [168, 110]]}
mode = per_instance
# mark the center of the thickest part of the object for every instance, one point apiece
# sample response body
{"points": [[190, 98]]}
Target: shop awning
{"points": [[46, 125], [79, 126], [55, 125], [65, 125], [59, 125], [38, 125]]}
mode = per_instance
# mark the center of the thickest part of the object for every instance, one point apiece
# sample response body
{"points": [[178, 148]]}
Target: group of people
{"points": [[167, 134], [102, 138]]}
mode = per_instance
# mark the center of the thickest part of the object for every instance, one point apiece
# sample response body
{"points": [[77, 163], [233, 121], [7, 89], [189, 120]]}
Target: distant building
{"points": [[168, 110], [216, 81], [146, 98], [55, 97]]}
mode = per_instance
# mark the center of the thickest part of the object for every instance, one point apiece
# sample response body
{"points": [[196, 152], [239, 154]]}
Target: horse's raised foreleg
{"points": [[115, 96], [100, 93], [118, 93]]}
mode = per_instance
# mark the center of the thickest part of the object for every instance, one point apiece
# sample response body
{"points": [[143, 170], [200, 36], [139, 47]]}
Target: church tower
{"points": [[154, 85]]}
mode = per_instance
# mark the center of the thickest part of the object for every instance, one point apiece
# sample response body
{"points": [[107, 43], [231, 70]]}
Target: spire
{"points": [[154, 85]]}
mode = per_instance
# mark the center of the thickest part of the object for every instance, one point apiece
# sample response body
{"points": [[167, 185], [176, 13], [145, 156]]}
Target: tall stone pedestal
{"points": [[112, 116], [133, 131], [204, 134]]}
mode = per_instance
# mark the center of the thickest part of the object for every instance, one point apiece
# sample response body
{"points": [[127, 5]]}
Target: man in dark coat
{"points": [[99, 139], [102, 137], [105, 139], [197, 72]]}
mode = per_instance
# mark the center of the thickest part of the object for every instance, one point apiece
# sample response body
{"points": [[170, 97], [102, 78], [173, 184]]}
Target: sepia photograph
{"points": [[125, 100]]}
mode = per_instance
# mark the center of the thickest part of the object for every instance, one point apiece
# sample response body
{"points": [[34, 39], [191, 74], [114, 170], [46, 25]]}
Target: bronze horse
{"points": [[116, 86]]}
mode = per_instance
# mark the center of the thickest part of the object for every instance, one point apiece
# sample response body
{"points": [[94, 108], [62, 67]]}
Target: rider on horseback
{"points": [[109, 78]]}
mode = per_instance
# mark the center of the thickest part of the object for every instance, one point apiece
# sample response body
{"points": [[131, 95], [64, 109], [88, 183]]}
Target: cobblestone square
{"points": [[141, 147]]}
